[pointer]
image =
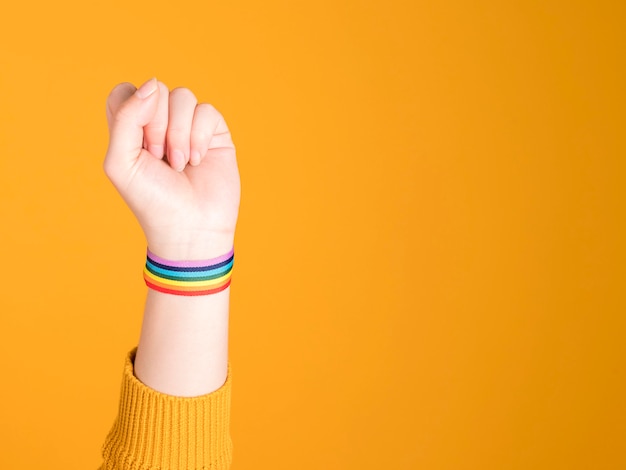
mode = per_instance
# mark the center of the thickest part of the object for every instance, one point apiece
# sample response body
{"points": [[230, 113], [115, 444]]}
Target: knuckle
{"points": [[120, 87], [210, 111], [183, 93]]}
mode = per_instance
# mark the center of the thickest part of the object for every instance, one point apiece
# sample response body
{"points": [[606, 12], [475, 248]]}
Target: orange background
{"points": [[431, 261]]}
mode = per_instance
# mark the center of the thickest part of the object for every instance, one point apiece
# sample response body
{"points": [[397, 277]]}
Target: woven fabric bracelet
{"points": [[189, 277]]}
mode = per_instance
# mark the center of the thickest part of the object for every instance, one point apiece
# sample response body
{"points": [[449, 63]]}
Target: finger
{"points": [[221, 137], [156, 129], [181, 110], [128, 115], [205, 121], [118, 95]]}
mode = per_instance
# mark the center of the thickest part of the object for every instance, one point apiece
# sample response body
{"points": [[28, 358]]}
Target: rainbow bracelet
{"points": [[189, 277]]}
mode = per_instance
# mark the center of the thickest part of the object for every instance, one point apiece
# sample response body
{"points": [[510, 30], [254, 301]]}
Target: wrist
{"points": [[191, 248]]}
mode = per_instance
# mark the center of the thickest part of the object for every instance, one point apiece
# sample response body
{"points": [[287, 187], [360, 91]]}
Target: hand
{"points": [[173, 161]]}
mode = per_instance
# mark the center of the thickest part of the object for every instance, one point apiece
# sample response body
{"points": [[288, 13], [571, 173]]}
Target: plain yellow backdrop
{"points": [[431, 262]]}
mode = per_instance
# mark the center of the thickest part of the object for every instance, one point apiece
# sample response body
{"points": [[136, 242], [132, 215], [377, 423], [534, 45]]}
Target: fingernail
{"points": [[156, 150], [194, 158], [147, 89], [178, 160]]}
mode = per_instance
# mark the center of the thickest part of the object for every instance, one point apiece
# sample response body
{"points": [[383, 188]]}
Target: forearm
{"points": [[183, 348]]}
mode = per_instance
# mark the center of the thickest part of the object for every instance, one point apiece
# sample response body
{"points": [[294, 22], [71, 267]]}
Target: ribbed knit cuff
{"points": [[158, 431]]}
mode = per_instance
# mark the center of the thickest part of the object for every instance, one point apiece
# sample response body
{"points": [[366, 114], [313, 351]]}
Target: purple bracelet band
{"points": [[191, 264]]}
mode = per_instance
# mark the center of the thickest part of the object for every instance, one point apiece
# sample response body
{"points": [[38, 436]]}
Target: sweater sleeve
{"points": [[158, 431]]}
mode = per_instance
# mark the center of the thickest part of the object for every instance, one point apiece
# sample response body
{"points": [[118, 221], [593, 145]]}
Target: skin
{"points": [[173, 161]]}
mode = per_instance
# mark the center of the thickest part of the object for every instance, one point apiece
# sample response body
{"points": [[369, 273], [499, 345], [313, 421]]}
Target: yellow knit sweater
{"points": [[154, 431]]}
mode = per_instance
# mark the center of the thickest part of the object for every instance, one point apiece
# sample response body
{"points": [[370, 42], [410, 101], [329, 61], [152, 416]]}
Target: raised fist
{"points": [[173, 161]]}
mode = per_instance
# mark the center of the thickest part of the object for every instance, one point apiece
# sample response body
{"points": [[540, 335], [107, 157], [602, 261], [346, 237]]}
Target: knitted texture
{"points": [[155, 431]]}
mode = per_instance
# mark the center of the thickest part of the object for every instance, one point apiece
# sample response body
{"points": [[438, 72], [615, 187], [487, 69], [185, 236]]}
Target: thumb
{"points": [[128, 111]]}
